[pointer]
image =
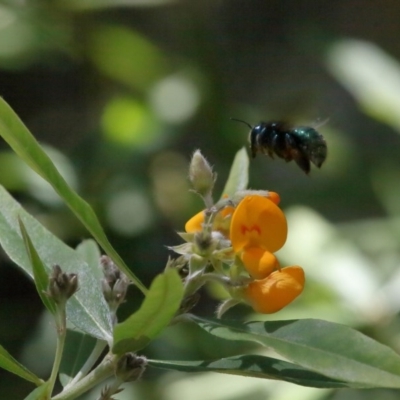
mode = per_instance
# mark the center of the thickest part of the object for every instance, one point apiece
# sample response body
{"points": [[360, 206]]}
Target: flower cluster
{"points": [[233, 242]]}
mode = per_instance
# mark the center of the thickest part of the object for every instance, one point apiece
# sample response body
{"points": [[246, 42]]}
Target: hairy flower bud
{"points": [[201, 174]]}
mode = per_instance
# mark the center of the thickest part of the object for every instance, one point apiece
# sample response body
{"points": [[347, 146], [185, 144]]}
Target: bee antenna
{"points": [[243, 122]]}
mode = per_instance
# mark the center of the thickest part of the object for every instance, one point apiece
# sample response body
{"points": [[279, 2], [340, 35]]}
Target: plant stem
{"points": [[61, 335], [99, 374], [94, 355]]}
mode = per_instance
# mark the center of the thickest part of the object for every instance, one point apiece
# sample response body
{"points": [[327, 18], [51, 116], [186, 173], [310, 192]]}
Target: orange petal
{"points": [[274, 197], [276, 291], [195, 224], [258, 222], [258, 262]]}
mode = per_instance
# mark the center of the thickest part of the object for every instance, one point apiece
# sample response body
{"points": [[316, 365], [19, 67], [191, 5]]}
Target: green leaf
{"points": [[9, 363], [254, 366], [158, 308], [89, 251], [40, 275], [17, 135], [77, 349], [239, 174], [87, 309], [40, 393], [331, 349]]}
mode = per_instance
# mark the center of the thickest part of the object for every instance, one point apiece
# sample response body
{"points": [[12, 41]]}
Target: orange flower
{"points": [[276, 291], [221, 221], [258, 222], [258, 262]]}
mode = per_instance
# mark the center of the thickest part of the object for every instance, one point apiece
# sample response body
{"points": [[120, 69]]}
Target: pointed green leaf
{"points": [[239, 174], [158, 308], [40, 275], [331, 349], [17, 135], [9, 363], [254, 366], [87, 309]]}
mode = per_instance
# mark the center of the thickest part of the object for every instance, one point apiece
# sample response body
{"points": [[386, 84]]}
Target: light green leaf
{"points": [[159, 307], [40, 275], [239, 174], [334, 350], [87, 309], [254, 366], [40, 393], [17, 135], [9, 363], [89, 251]]}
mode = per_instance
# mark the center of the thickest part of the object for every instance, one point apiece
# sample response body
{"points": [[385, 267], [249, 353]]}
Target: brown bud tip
{"points": [[62, 285], [130, 367]]}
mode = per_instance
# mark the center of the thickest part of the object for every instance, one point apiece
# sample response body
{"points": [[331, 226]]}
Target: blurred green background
{"points": [[121, 92]]}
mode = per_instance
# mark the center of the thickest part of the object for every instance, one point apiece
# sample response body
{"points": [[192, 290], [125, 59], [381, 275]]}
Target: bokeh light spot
{"points": [[129, 212], [126, 121], [175, 98]]}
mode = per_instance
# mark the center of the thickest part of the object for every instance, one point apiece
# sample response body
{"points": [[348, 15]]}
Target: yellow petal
{"points": [[276, 291], [258, 222], [221, 222], [195, 224], [258, 262]]}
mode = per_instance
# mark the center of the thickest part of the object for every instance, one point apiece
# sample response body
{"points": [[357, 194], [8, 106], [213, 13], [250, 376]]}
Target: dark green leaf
{"points": [[331, 349], [87, 309], [77, 349], [239, 174], [17, 135], [9, 363], [254, 366], [159, 307], [40, 275]]}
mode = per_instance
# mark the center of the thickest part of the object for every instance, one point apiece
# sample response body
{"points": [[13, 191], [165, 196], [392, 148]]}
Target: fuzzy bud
{"points": [[201, 174]]}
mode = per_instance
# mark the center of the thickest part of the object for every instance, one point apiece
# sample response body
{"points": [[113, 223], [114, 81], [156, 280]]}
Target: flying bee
{"points": [[299, 143]]}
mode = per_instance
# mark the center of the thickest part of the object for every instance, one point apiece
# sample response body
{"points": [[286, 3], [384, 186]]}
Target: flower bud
{"points": [[130, 367], [201, 175], [110, 270], [61, 285], [115, 283]]}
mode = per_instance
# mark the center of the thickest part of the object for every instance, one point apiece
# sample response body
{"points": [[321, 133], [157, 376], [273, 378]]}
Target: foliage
{"points": [[219, 247]]}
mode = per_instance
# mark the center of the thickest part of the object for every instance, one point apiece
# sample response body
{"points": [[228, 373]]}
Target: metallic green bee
{"points": [[300, 143]]}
